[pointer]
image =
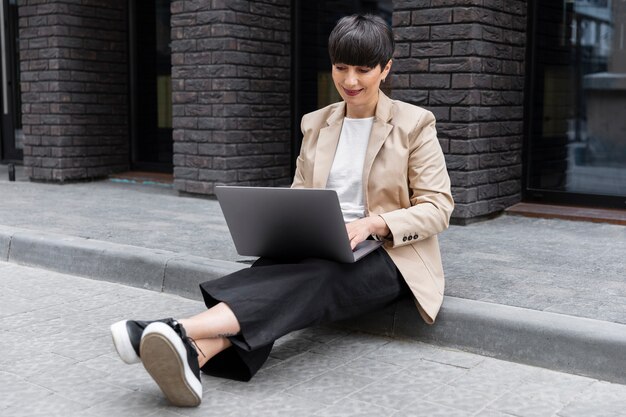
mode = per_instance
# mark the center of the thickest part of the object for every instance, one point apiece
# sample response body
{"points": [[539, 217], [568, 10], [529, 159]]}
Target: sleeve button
{"points": [[410, 237], [415, 236], [404, 239]]}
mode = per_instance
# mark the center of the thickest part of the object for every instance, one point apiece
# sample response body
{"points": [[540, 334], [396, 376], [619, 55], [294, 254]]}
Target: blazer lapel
{"points": [[327, 146], [380, 131]]}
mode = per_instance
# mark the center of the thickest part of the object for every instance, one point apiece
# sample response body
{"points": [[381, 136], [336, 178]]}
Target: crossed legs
{"points": [[173, 351], [210, 330]]}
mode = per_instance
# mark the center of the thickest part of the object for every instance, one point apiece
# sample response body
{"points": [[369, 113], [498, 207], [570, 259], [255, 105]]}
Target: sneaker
{"points": [[171, 360], [127, 336]]}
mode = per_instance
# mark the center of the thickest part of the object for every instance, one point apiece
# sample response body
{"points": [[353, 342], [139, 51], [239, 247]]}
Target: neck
{"points": [[363, 111]]}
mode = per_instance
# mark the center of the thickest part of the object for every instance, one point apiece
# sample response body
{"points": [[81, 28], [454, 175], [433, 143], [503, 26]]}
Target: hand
{"points": [[360, 230]]}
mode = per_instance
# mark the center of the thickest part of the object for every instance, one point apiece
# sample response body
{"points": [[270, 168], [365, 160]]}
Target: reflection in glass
{"points": [[578, 137]]}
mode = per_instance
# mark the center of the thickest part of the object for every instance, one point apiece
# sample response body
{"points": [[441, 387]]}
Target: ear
{"points": [[386, 69]]}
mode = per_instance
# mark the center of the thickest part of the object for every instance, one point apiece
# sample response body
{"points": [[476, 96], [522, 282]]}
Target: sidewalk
{"points": [[57, 359], [515, 277]]}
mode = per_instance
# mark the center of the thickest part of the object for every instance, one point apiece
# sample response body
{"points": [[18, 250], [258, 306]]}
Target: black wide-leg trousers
{"points": [[273, 298]]}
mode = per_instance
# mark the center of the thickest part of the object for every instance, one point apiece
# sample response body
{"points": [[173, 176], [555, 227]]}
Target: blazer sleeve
{"points": [[429, 188], [298, 178]]}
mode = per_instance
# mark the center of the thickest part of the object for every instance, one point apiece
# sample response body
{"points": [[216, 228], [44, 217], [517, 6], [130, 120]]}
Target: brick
{"points": [[402, 50], [411, 96], [454, 97], [431, 49], [186, 173], [456, 31], [443, 3], [410, 4], [506, 173], [464, 195], [411, 33], [468, 179], [507, 188], [469, 146], [400, 81], [198, 110], [442, 114], [186, 148], [410, 65], [462, 162], [431, 16], [479, 48], [506, 143], [401, 19], [224, 176], [195, 161], [456, 65]]}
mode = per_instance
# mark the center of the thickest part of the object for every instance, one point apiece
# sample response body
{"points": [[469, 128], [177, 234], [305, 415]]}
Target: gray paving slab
{"points": [[50, 368], [144, 216], [5, 242]]}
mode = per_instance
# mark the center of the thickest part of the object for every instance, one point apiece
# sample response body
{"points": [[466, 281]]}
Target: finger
{"points": [[355, 241]]}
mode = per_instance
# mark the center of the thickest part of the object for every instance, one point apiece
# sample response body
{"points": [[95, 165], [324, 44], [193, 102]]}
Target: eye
{"points": [[364, 70], [340, 67]]}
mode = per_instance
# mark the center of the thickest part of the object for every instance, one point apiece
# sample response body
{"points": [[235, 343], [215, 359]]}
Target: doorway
{"points": [[11, 135], [312, 84], [150, 86]]}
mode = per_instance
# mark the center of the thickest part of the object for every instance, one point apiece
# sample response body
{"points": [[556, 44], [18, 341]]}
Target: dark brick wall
{"points": [[464, 60], [231, 93], [74, 74]]}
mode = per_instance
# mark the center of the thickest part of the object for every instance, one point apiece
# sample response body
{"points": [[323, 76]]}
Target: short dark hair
{"points": [[362, 40]]}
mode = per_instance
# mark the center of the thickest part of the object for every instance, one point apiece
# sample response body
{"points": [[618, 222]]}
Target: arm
{"points": [[360, 230], [429, 188]]}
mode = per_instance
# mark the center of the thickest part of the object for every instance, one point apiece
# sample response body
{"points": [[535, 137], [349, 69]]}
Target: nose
{"points": [[351, 78]]}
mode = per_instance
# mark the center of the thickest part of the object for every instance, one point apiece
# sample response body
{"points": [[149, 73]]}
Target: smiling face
{"points": [[358, 86]]}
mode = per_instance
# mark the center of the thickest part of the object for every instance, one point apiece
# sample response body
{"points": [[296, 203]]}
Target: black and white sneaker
{"points": [[171, 360], [127, 336]]}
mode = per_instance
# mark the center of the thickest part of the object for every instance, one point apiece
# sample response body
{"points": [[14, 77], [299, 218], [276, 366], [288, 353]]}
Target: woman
{"points": [[384, 160]]}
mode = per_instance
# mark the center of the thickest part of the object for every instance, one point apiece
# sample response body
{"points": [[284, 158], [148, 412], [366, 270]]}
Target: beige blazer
{"points": [[404, 180]]}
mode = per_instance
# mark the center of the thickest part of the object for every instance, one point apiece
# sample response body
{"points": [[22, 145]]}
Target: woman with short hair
{"points": [[383, 159]]}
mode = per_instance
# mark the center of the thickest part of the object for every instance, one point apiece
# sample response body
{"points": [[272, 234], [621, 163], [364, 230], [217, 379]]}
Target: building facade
{"points": [[530, 96]]}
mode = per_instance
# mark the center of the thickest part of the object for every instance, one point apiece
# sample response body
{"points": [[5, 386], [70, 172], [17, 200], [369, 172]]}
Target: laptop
{"points": [[288, 223]]}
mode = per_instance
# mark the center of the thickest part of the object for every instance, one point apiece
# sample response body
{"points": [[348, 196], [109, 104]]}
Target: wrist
{"points": [[378, 226]]}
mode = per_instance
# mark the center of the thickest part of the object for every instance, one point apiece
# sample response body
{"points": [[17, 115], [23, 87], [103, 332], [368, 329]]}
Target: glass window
{"points": [[577, 141]]}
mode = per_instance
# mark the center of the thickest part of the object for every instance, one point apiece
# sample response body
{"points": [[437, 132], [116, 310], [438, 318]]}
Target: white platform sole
{"points": [[122, 344], [165, 358]]}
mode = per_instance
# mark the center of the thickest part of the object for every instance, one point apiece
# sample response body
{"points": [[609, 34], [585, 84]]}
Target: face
{"points": [[358, 86]]}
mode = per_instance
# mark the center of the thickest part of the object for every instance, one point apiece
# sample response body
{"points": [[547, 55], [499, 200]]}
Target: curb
{"points": [[570, 344], [151, 269]]}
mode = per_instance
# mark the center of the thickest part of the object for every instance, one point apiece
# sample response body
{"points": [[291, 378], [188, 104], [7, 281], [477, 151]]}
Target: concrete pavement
{"points": [[542, 292], [573, 268], [57, 359]]}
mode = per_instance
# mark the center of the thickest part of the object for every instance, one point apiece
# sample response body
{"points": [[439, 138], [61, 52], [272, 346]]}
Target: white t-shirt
{"points": [[346, 173]]}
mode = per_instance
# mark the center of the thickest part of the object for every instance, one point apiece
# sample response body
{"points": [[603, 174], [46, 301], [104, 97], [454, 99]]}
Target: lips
{"points": [[352, 92]]}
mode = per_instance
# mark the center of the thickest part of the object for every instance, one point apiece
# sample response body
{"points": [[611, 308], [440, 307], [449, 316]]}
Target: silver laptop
{"points": [[288, 223]]}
